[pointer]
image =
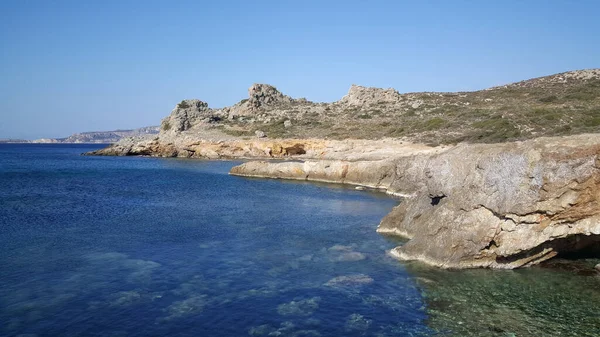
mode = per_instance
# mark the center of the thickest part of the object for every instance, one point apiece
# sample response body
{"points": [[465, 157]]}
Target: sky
{"points": [[74, 66]]}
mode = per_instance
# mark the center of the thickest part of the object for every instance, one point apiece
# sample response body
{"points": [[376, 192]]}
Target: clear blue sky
{"points": [[71, 66]]}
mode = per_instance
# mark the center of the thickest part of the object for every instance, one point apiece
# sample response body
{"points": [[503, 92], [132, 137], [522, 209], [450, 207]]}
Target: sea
{"points": [[136, 246]]}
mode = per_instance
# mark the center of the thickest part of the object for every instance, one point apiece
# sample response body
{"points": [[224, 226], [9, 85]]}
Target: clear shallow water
{"points": [[106, 246]]}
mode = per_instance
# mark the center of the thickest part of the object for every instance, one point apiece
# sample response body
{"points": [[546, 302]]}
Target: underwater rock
{"points": [[285, 329], [299, 308], [349, 257], [306, 258], [342, 253], [306, 333], [261, 330], [338, 248], [123, 298], [349, 280], [140, 271], [357, 322], [190, 306]]}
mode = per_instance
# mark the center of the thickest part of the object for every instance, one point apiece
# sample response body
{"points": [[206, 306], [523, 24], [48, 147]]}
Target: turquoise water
{"points": [[107, 246]]}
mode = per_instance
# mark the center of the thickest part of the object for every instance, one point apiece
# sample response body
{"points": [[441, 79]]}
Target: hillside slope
{"points": [[561, 104]]}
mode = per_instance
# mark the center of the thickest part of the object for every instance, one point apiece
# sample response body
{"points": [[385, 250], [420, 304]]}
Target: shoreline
{"points": [[503, 205], [456, 227]]}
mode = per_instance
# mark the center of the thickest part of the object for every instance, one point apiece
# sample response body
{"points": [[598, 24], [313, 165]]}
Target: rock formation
{"points": [[186, 114], [501, 206], [561, 104], [364, 96]]}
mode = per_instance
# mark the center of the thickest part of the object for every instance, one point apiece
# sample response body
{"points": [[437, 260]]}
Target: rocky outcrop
{"points": [[261, 98], [558, 79], [365, 96], [499, 206], [373, 174], [182, 146], [261, 95], [186, 114], [567, 104]]}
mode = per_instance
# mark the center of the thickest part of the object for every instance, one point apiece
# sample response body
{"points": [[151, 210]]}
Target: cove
{"points": [[112, 246]]}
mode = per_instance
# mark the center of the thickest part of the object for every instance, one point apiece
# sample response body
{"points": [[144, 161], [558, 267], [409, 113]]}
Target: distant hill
{"points": [[98, 137]]}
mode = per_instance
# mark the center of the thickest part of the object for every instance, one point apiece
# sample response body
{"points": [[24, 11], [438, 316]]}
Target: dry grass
{"points": [[487, 116]]}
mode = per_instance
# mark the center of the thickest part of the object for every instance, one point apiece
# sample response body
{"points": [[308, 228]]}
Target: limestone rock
{"points": [[357, 322], [265, 95], [260, 134], [186, 114], [359, 95], [261, 98], [349, 280], [497, 205], [299, 307], [503, 206]]}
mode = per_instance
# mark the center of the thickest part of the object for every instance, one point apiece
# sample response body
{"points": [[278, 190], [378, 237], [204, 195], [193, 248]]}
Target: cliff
{"points": [[501, 206]]}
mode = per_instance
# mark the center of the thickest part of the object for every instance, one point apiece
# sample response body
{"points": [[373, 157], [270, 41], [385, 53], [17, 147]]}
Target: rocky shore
{"points": [[500, 205], [507, 204]]}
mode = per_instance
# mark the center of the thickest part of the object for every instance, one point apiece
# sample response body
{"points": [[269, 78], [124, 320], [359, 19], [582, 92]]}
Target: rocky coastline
{"points": [[506, 204], [503, 206]]}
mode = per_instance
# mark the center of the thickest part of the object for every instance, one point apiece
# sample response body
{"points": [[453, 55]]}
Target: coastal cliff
{"points": [[484, 184], [476, 205]]}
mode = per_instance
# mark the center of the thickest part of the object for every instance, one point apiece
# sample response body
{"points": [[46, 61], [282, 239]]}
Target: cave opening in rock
{"points": [[436, 199], [573, 247], [579, 247]]}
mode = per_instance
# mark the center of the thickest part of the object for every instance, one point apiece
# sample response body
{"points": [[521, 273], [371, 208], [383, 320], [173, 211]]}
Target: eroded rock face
{"points": [[261, 98], [500, 206], [365, 96], [265, 94], [503, 206], [186, 114]]}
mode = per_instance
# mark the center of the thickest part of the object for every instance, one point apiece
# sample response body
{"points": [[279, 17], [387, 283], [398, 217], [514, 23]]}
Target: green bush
{"points": [[582, 96], [549, 99], [434, 123], [494, 130]]}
